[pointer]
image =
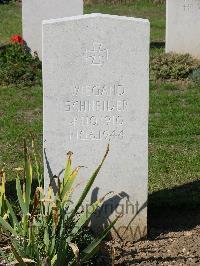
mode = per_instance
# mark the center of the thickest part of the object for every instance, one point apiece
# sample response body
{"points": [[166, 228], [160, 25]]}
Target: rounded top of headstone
{"points": [[96, 15]]}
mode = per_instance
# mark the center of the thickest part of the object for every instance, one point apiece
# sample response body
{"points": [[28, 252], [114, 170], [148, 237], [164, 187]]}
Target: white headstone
{"points": [[183, 27], [96, 91], [35, 11]]}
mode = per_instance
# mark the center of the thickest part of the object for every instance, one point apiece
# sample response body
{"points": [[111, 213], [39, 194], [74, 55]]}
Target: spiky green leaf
{"points": [[7, 227], [89, 185], [20, 197], [88, 252], [13, 217]]}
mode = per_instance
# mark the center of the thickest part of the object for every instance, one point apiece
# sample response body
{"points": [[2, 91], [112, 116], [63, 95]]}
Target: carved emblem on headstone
{"points": [[187, 7], [98, 55]]}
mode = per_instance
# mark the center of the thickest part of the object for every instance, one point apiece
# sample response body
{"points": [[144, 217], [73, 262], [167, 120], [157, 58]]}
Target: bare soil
{"points": [[173, 239], [172, 248], [173, 235], [163, 248]]}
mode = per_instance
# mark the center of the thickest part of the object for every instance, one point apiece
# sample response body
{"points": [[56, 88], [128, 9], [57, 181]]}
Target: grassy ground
{"points": [[174, 135], [20, 114], [142, 8], [10, 21]]}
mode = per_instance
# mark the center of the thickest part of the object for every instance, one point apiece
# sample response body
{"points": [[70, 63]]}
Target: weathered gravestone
{"points": [[183, 27], [35, 11], [96, 91]]}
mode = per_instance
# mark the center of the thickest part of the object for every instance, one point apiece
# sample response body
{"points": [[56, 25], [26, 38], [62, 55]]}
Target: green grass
{"points": [[174, 134], [10, 21], [143, 9], [10, 15], [20, 115]]}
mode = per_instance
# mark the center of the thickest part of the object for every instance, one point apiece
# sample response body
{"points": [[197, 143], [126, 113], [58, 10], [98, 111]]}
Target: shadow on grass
{"points": [[5, 1], [157, 45], [175, 209], [11, 193]]}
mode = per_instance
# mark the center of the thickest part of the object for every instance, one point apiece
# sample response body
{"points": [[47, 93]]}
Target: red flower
{"points": [[18, 39]]}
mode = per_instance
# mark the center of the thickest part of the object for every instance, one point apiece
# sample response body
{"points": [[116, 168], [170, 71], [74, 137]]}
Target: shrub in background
{"points": [[170, 66], [49, 229], [195, 76], [18, 66]]}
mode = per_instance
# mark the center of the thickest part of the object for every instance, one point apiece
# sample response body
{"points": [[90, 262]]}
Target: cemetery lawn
{"points": [[141, 9], [10, 15], [10, 21], [174, 146], [174, 142], [174, 134], [20, 115]]}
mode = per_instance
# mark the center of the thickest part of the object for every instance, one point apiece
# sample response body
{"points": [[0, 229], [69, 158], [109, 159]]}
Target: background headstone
{"points": [[96, 91], [183, 27], [34, 11]]}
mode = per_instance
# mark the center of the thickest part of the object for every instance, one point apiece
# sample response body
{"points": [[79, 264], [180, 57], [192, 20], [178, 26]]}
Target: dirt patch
{"points": [[169, 248], [173, 236]]}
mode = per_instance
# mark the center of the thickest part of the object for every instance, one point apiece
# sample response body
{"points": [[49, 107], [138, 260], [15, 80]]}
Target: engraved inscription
{"points": [[115, 89], [191, 6], [96, 106], [97, 134], [98, 55], [88, 121], [98, 112], [187, 7]]}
